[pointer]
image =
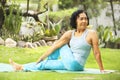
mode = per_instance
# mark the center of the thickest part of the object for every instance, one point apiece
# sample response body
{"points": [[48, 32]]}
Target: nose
{"points": [[84, 20]]}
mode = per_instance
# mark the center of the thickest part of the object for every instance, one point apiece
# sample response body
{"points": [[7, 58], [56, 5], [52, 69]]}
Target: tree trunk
{"points": [[1, 17], [113, 17], [27, 6]]}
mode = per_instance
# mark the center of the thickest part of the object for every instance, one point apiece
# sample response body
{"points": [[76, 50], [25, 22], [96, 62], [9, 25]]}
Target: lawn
{"points": [[110, 59]]}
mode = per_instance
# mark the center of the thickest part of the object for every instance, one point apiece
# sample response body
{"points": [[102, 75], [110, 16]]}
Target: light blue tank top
{"points": [[80, 47]]}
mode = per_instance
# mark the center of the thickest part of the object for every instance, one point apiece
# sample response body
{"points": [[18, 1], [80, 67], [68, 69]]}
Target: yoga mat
{"points": [[8, 68], [87, 71]]}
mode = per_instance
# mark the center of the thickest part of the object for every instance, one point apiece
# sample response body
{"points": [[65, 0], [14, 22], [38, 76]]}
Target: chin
{"points": [[82, 27]]}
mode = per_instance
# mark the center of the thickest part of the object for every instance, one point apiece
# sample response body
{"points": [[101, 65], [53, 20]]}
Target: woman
{"points": [[60, 56]]}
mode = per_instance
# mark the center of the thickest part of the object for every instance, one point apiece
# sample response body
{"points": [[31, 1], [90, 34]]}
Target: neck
{"points": [[80, 30]]}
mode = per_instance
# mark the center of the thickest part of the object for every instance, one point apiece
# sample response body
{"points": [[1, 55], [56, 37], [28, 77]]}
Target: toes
{"points": [[10, 61]]}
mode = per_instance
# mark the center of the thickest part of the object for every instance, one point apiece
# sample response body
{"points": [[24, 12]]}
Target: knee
{"points": [[74, 66]]}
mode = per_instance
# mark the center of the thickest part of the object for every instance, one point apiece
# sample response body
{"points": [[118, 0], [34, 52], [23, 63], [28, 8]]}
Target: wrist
{"points": [[101, 68], [102, 71]]}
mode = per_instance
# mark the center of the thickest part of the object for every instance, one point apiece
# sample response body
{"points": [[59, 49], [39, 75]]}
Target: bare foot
{"points": [[16, 66]]}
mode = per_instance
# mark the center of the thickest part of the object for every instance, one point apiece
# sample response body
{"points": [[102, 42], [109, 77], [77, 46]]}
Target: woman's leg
{"points": [[54, 56], [52, 62], [66, 62], [68, 59], [15, 65]]}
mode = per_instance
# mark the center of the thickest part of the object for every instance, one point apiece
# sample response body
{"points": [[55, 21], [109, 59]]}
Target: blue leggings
{"points": [[60, 59]]}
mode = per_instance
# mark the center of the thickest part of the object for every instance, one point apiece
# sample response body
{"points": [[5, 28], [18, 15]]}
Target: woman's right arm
{"points": [[63, 40]]}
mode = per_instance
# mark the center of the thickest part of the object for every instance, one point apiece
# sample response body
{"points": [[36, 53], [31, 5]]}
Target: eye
{"points": [[83, 18]]}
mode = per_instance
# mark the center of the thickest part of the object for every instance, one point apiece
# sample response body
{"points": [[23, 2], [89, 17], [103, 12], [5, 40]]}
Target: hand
{"points": [[104, 72]]}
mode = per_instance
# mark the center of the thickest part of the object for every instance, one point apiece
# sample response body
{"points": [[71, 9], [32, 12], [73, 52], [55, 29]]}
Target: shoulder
{"points": [[68, 33], [92, 32]]}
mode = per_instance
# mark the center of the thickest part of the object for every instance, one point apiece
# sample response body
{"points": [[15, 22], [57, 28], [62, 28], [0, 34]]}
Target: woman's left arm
{"points": [[96, 51]]}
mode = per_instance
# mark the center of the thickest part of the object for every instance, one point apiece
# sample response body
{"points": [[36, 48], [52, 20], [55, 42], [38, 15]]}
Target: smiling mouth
{"points": [[83, 25]]}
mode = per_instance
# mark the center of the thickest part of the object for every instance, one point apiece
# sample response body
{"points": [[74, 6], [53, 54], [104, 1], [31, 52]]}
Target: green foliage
{"points": [[93, 7], [56, 16], [108, 14], [64, 4], [53, 29], [118, 24], [32, 38], [41, 4], [37, 35], [12, 23], [40, 31], [106, 37], [6, 34]]}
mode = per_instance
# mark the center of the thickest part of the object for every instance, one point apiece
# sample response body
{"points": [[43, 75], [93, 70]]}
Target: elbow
{"points": [[97, 55], [56, 46]]}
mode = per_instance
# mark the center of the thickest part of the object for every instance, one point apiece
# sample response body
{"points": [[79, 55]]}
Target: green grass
{"points": [[110, 59]]}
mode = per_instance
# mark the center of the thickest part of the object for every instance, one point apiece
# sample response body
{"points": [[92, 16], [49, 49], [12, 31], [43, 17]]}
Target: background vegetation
{"points": [[48, 20]]}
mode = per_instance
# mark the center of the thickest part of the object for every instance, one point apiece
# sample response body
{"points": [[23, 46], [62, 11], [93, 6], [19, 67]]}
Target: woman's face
{"points": [[82, 21]]}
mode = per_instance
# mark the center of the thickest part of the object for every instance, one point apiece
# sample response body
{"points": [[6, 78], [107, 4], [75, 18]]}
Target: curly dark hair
{"points": [[74, 17]]}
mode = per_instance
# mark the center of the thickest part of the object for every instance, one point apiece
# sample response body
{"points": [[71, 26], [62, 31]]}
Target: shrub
{"points": [[64, 14], [107, 38], [12, 22]]}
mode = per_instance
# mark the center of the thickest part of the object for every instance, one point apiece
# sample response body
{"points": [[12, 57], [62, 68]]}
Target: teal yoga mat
{"points": [[87, 71], [8, 68]]}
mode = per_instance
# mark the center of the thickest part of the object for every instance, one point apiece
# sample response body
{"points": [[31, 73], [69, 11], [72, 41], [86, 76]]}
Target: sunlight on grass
{"points": [[110, 59], [21, 55]]}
